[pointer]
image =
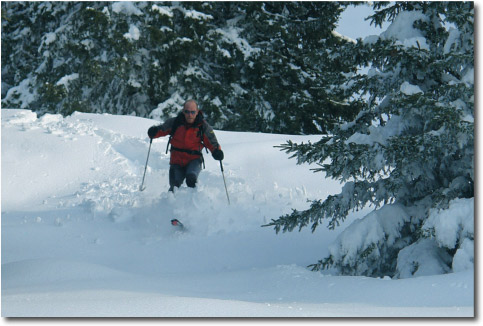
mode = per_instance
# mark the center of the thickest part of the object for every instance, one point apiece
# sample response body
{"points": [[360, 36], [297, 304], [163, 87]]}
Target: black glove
{"points": [[152, 131], [218, 154]]}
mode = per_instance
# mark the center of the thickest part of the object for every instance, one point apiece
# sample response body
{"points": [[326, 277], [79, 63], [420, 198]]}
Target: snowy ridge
{"points": [[80, 239]]}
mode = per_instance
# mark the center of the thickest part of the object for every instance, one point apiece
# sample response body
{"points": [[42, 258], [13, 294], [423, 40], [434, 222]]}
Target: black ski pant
{"points": [[178, 173]]}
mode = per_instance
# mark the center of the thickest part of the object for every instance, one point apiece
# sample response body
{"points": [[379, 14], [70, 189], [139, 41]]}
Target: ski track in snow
{"points": [[80, 239]]}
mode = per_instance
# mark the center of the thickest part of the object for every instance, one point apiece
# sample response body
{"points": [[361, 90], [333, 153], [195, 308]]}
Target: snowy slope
{"points": [[80, 239]]}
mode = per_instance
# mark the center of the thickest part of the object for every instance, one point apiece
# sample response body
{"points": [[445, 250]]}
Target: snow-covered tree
{"points": [[409, 153], [253, 66], [295, 65], [268, 66]]}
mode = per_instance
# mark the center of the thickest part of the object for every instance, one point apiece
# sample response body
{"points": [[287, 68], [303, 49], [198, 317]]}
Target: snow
{"points": [[166, 11], [50, 38], [454, 223], [24, 91], [422, 258], [88, 44], [383, 225], [134, 83], [80, 239], [408, 89], [464, 258], [469, 77], [380, 134], [453, 39], [127, 8], [175, 101], [66, 79], [193, 14], [336, 34], [402, 30], [231, 36], [133, 33]]}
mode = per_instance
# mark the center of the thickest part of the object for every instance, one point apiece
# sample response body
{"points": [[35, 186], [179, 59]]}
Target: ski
{"points": [[177, 224]]}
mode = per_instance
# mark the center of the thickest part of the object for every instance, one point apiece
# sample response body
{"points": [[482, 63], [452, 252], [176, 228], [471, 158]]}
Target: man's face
{"points": [[190, 112]]}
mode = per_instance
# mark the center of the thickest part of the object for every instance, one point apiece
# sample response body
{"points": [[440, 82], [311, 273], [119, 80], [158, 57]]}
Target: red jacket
{"points": [[186, 144]]}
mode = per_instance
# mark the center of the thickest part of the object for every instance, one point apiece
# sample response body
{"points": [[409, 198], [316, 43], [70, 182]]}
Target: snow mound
{"points": [[453, 224], [379, 228], [421, 259], [80, 239], [454, 228]]}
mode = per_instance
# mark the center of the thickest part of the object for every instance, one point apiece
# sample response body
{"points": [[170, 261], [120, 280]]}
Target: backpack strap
{"points": [[176, 124]]}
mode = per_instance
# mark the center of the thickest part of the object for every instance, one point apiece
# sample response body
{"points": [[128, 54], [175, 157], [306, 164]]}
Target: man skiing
{"points": [[189, 133]]}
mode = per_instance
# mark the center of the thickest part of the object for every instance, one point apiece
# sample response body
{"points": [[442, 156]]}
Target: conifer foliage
{"points": [[253, 66], [409, 152]]}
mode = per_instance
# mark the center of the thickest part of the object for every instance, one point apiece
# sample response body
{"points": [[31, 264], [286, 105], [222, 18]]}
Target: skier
{"points": [[189, 133]]}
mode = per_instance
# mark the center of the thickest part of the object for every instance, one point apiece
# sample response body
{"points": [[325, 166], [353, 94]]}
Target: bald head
{"points": [[190, 110], [190, 105]]}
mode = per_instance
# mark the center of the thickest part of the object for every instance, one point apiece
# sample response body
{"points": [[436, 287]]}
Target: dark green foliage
{"points": [[253, 66], [414, 148]]}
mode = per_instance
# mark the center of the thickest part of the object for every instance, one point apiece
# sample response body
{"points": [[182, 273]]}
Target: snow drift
{"points": [[80, 239]]}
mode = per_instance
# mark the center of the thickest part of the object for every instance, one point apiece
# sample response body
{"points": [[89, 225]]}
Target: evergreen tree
{"points": [[296, 63], [261, 66], [410, 150]]}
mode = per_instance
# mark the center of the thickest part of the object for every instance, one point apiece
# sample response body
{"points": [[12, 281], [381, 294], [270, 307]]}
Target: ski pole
{"points": [[141, 188], [226, 190]]}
